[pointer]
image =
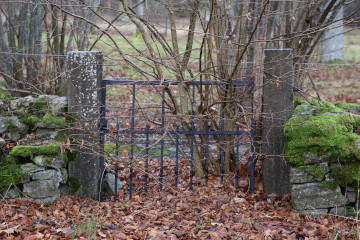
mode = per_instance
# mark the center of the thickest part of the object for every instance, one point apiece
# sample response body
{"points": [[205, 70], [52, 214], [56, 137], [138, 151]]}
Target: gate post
{"points": [[277, 109], [84, 80]]}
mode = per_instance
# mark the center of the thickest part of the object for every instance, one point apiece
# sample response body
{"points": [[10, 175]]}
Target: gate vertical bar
{"points": [[162, 138], [207, 156], [132, 139], [192, 141], [222, 146], [177, 156], [146, 158], [237, 158], [252, 150], [116, 182], [117, 156], [102, 138]]}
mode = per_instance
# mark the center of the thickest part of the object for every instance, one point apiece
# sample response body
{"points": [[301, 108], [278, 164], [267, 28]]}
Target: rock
{"points": [[64, 175], [303, 109], [12, 124], [65, 189], [343, 211], [22, 102], [311, 159], [48, 199], [313, 173], [56, 161], [42, 189], [351, 196], [13, 136], [28, 170], [109, 184], [50, 174], [315, 213], [43, 103], [57, 104], [328, 178], [2, 142], [12, 194], [315, 196], [50, 121], [48, 134], [239, 200]]}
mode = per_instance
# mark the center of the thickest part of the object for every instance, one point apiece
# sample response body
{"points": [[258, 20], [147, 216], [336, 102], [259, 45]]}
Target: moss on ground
{"points": [[329, 130], [25, 151]]}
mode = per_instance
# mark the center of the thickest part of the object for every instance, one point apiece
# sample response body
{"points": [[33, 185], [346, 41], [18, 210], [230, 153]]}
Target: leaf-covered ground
{"points": [[214, 212]]}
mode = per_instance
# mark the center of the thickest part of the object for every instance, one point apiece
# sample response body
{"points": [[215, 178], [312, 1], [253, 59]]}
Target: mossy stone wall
{"points": [[323, 148], [33, 129]]}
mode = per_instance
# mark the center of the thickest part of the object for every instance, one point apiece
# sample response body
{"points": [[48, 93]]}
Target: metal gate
{"points": [[124, 132]]}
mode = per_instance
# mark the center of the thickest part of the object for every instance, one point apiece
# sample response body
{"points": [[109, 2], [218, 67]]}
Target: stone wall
{"points": [[323, 148], [31, 133]]}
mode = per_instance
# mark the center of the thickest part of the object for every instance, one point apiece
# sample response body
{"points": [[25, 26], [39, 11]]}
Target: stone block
{"points": [[316, 196], [311, 159], [315, 213], [56, 104], [50, 174], [306, 175], [343, 211], [12, 124], [64, 175], [2, 142], [55, 161], [41, 189], [28, 170], [109, 184]]}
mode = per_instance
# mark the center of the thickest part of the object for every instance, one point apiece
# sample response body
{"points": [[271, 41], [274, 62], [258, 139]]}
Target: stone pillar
{"points": [[84, 80], [277, 109]]}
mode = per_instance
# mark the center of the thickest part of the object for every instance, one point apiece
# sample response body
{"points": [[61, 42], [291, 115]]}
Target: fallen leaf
{"points": [[10, 231]]}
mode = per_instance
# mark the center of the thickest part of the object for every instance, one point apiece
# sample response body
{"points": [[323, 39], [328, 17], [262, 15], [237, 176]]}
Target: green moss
{"points": [[330, 184], [69, 156], [348, 106], [8, 174], [4, 95], [318, 171], [40, 103], [21, 114], [335, 61], [32, 121], [75, 184], [321, 135], [50, 119], [300, 101], [347, 174], [24, 151]]}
